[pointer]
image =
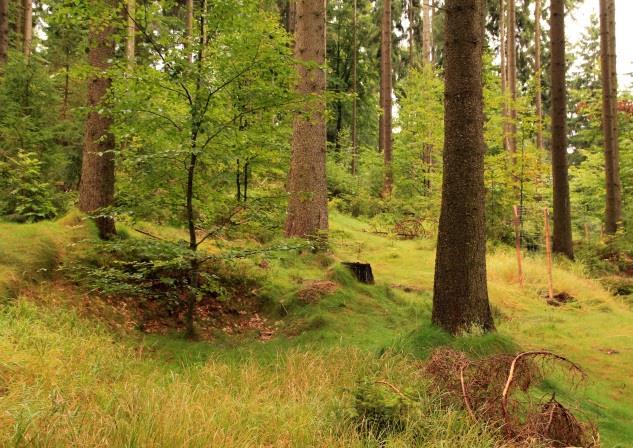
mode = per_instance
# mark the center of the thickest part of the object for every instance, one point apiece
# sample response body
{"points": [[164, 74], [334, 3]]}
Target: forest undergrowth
{"points": [[317, 366]]}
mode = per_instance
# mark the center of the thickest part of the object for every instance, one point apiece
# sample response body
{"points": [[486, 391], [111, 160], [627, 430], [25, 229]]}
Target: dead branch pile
{"points": [[495, 390]]}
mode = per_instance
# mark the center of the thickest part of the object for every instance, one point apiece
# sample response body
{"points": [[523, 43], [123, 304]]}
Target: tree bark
{"points": [[307, 186], [354, 168], [538, 90], [427, 148], [130, 44], [562, 239], [460, 295], [4, 31], [503, 49], [614, 94], [411, 18], [512, 77], [27, 37], [426, 31], [97, 170], [613, 210], [189, 31], [385, 89]]}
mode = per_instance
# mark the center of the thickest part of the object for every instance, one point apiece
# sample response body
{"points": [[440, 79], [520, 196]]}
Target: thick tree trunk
{"points": [[613, 211], [4, 31], [562, 240], [27, 37], [460, 295], [426, 31], [97, 170], [538, 90], [307, 185], [385, 90]]}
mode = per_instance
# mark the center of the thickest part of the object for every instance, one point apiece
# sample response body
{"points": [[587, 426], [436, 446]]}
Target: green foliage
{"points": [[143, 270], [28, 198], [378, 410], [225, 109]]}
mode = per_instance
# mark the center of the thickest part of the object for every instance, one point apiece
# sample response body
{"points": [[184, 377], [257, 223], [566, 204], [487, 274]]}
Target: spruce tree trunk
{"points": [[614, 94], [307, 186], [189, 31], [503, 49], [385, 93], [97, 169], [512, 77], [538, 90], [4, 31], [460, 295], [411, 18], [354, 167], [27, 37], [426, 31], [613, 211], [562, 238], [130, 44]]}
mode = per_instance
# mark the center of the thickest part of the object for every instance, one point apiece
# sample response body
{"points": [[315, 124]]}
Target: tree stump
{"points": [[362, 271]]}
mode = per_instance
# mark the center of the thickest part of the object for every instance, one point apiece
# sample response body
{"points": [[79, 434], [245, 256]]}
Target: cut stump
{"points": [[362, 271]]}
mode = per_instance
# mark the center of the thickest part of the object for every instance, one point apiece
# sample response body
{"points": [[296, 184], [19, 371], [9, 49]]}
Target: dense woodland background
{"points": [[206, 140]]}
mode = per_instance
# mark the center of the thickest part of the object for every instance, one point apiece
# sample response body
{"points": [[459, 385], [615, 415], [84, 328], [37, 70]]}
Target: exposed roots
{"points": [[495, 390]]}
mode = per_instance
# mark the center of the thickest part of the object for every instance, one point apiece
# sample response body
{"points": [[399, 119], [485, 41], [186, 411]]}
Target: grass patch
{"points": [[68, 381]]}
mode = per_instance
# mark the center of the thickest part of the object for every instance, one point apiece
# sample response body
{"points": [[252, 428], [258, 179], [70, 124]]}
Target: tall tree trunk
{"points": [[130, 44], [503, 50], [385, 89], [460, 294], [512, 76], [562, 239], [292, 16], [613, 209], [411, 18], [97, 169], [27, 37], [538, 90], [426, 31], [189, 31], [354, 168], [4, 31], [307, 186]]}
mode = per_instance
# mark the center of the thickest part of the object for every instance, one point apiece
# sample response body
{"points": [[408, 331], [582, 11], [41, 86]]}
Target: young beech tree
{"points": [[460, 294], [562, 237], [209, 94], [96, 190], [307, 185]]}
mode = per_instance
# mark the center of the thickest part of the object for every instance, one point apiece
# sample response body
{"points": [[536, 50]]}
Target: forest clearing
{"points": [[316, 223]]}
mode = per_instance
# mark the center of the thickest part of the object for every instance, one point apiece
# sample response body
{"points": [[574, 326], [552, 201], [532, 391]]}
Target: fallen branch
{"points": [[508, 384], [464, 394]]}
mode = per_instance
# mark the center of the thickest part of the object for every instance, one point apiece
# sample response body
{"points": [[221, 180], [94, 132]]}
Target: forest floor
{"points": [[73, 372]]}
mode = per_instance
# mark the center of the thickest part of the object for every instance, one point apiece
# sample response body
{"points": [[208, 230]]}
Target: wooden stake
{"points": [[517, 237], [548, 248]]}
